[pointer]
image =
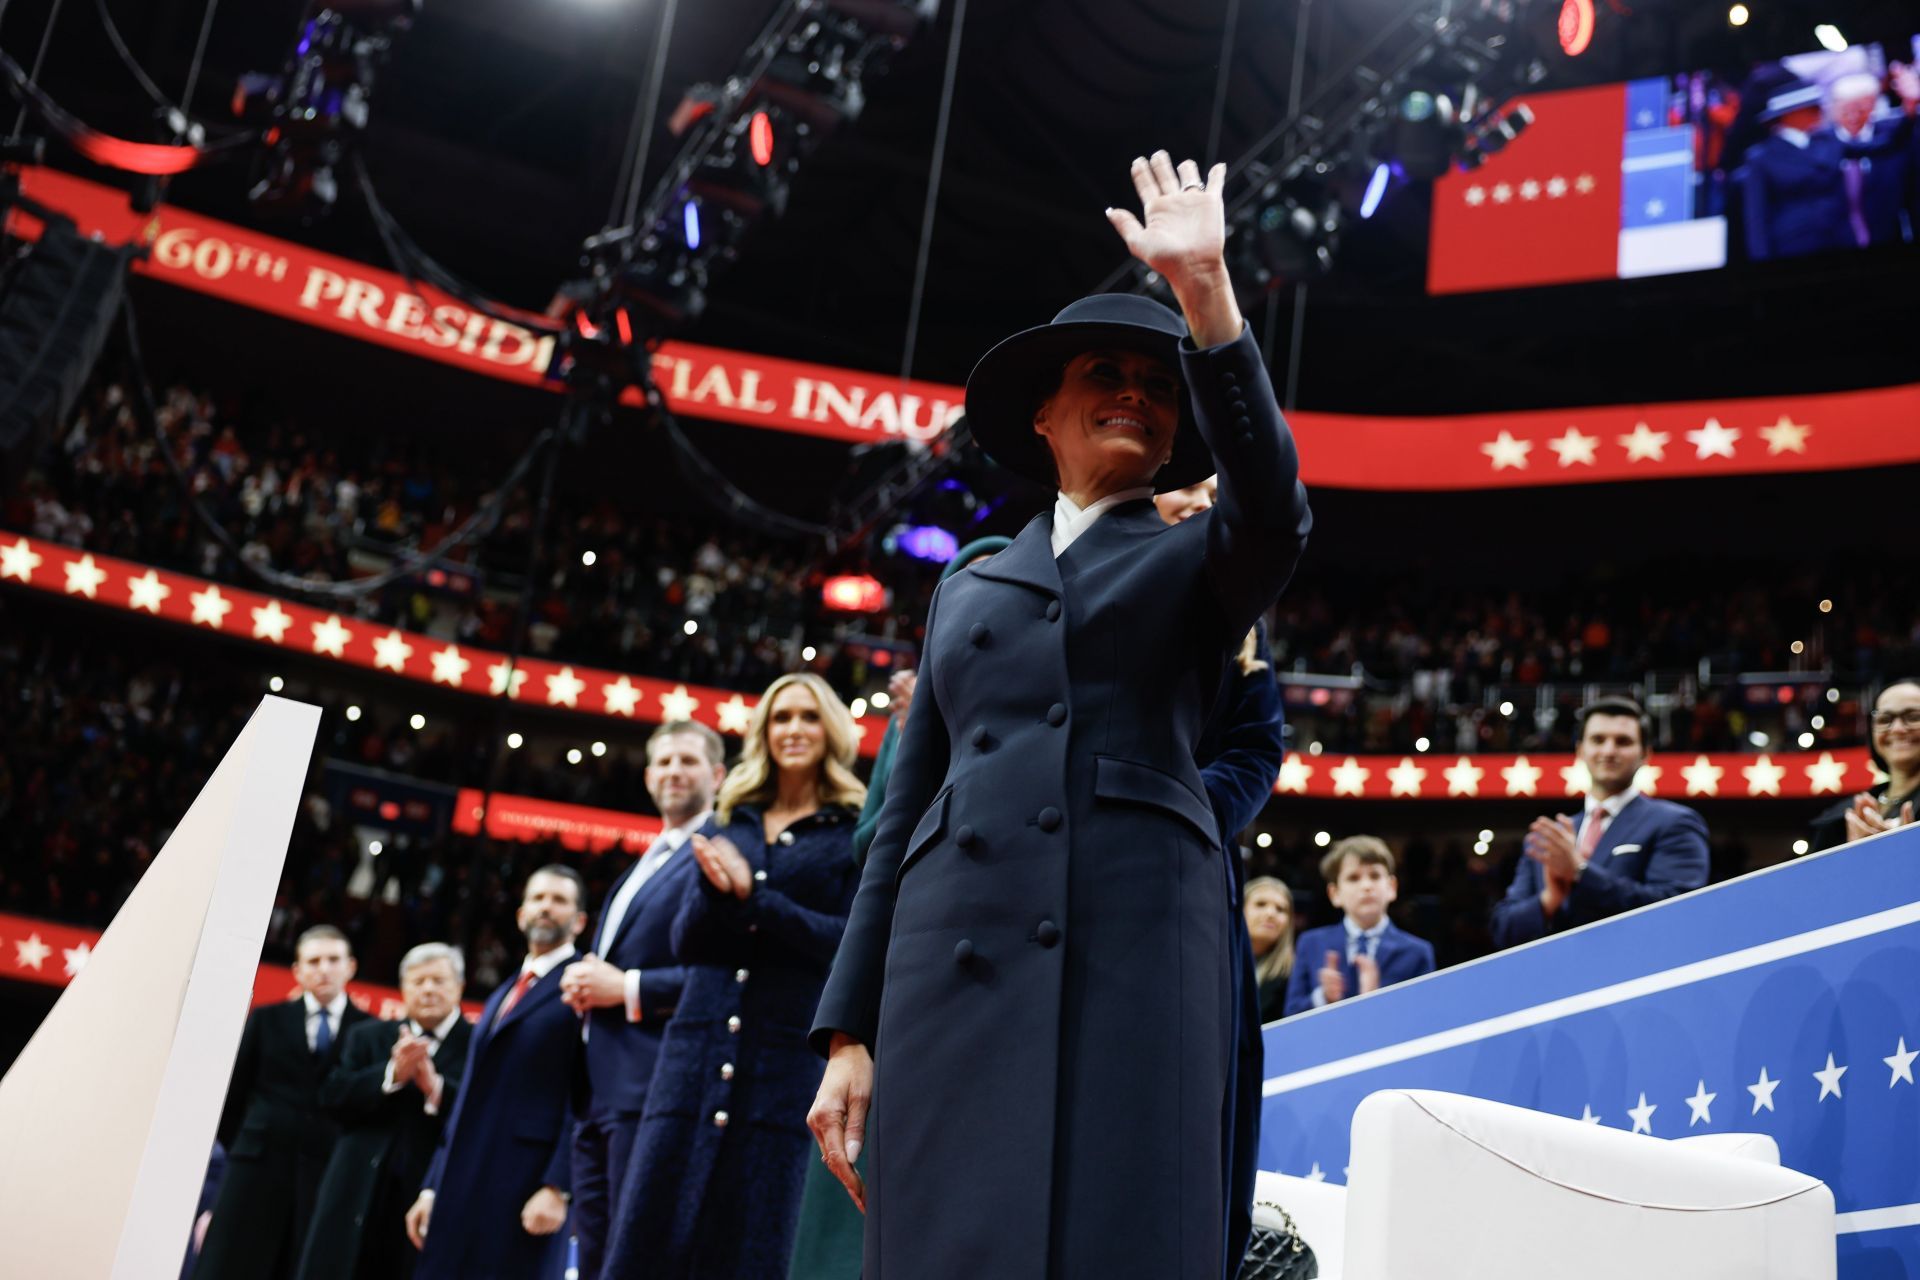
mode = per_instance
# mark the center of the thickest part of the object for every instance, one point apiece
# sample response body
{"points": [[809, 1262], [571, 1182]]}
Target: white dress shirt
{"points": [[1611, 806], [665, 845], [1070, 520], [435, 1037], [336, 1007]]}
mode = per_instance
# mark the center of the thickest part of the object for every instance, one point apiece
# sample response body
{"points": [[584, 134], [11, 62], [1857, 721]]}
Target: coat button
{"points": [[980, 737], [1053, 611], [733, 1025], [963, 951], [1049, 819], [726, 1071], [786, 837], [979, 635], [760, 877], [963, 836], [719, 1119], [739, 975], [1237, 405], [1246, 437], [1046, 933], [1057, 714], [1231, 378]]}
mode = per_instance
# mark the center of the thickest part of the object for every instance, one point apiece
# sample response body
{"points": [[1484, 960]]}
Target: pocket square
{"points": [[1619, 849]]}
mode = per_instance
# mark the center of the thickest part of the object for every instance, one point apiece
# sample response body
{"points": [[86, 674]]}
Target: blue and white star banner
{"points": [[1785, 1002]]}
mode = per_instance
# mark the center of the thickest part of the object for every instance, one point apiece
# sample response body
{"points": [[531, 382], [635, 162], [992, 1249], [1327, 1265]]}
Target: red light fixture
{"points": [[1576, 27], [853, 593], [760, 138]]}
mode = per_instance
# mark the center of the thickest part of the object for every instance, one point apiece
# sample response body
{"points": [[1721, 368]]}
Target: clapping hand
{"points": [[591, 983], [1333, 983], [1864, 818], [408, 1057], [1368, 971], [725, 867]]}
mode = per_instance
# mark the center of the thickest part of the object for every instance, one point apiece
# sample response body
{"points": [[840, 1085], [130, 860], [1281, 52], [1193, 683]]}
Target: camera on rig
{"points": [[312, 109]]}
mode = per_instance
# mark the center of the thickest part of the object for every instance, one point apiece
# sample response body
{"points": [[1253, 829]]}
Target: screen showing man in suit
{"points": [[1625, 850], [278, 1137], [390, 1093]]}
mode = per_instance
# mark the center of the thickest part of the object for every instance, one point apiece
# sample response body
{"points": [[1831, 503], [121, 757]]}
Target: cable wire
{"points": [[937, 168]]}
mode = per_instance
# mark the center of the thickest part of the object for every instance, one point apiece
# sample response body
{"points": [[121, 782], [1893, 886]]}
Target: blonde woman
{"points": [[713, 1186], [1268, 904]]}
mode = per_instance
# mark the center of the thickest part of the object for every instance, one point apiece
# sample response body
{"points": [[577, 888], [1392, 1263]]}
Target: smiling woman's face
{"points": [[1112, 422]]}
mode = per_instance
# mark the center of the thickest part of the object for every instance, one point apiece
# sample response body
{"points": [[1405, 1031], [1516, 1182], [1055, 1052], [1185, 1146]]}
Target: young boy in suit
{"points": [[1365, 951]]}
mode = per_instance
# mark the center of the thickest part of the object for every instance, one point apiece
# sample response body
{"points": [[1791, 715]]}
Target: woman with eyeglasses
{"points": [[1896, 749]]}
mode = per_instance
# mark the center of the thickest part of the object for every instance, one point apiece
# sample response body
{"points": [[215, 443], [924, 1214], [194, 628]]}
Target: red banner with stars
{"points": [[1344, 451], [52, 955], [1553, 779], [317, 633]]}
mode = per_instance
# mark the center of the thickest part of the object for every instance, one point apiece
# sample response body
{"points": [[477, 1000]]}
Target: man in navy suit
{"points": [[495, 1196], [626, 988], [1625, 851], [1876, 160], [1365, 951]]}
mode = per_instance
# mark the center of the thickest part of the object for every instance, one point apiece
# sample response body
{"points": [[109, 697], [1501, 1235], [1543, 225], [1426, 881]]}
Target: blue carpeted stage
{"points": [[1786, 1002]]}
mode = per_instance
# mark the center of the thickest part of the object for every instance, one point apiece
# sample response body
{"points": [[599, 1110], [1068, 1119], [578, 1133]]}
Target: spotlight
{"points": [[1833, 695], [1506, 708], [809, 653], [1830, 38], [857, 708], [1737, 16], [1818, 722], [1486, 837], [881, 699], [927, 542], [1264, 840], [1826, 606], [689, 626], [276, 684], [418, 721], [1294, 234], [375, 848], [1806, 740], [573, 755], [599, 748], [353, 713], [1493, 134], [690, 223], [1323, 838], [1798, 646], [760, 138], [1313, 748], [1758, 739], [513, 741], [1480, 848], [1800, 848], [587, 558], [1421, 744], [1425, 132]]}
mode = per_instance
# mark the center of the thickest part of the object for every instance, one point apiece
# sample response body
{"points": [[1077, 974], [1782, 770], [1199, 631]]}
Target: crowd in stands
{"points": [[622, 589]]}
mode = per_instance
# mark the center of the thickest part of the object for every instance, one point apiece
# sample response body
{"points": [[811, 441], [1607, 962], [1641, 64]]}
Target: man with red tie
{"points": [[495, 1197], [1625, 850]]}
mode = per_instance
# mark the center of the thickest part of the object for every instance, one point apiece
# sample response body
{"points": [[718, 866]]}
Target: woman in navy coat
{"points": [[713, 1187], [1029, 1019]]}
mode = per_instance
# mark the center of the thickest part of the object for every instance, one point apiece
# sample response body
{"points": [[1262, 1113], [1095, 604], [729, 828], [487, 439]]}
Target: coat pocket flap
{"points": [[1130, 782], [932, 825]]}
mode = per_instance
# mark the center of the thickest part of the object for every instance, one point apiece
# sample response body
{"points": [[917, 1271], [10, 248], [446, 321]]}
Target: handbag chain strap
{"points": [[1293, 1232]]}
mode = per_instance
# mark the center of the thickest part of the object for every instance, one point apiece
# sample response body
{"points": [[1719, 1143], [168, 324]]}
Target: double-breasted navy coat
{"points": [[713, 1187], [1038, 954]]}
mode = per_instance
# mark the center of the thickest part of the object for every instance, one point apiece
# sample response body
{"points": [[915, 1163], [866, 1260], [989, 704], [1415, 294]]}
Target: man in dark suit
{"points": [[1364, 951], [1876, 156], [626, 988], [391, 1093], [276, 1134], [494, 1200], [1625, 850], [1793, 195]]}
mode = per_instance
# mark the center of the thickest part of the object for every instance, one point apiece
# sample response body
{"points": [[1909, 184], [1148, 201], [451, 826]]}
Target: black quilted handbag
{"points": [[1275, 1250]]}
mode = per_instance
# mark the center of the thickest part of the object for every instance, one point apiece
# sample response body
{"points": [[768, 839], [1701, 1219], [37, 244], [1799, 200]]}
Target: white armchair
{"points": [[1445, 1187]]}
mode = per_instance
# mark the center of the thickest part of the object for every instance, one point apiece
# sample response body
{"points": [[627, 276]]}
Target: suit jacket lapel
{"points": [[1029, 561], [671, 868], [1114, 533], [543, 988]]}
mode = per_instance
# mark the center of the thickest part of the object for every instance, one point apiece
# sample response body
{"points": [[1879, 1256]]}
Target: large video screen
{"points": [[1810, 154]]}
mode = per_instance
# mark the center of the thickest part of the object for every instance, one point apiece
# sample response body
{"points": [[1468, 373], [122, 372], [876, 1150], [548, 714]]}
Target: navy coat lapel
{"points": [[1029, 561], [1114, 533], [1624, 829]]}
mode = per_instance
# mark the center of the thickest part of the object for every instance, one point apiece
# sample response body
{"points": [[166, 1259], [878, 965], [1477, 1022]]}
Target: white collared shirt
{"points": [[1070, 520], [335, 1008], [1798, 137], [1612, 804], [664, 846], [544, 965]]}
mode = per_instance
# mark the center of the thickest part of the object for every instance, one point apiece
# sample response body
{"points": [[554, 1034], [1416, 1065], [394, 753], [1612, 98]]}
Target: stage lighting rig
{"points": [[319, 102]]}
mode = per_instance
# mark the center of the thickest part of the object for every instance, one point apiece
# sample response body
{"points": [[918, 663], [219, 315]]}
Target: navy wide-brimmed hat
{"points": [[1011, 380], [1788, 95]]}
